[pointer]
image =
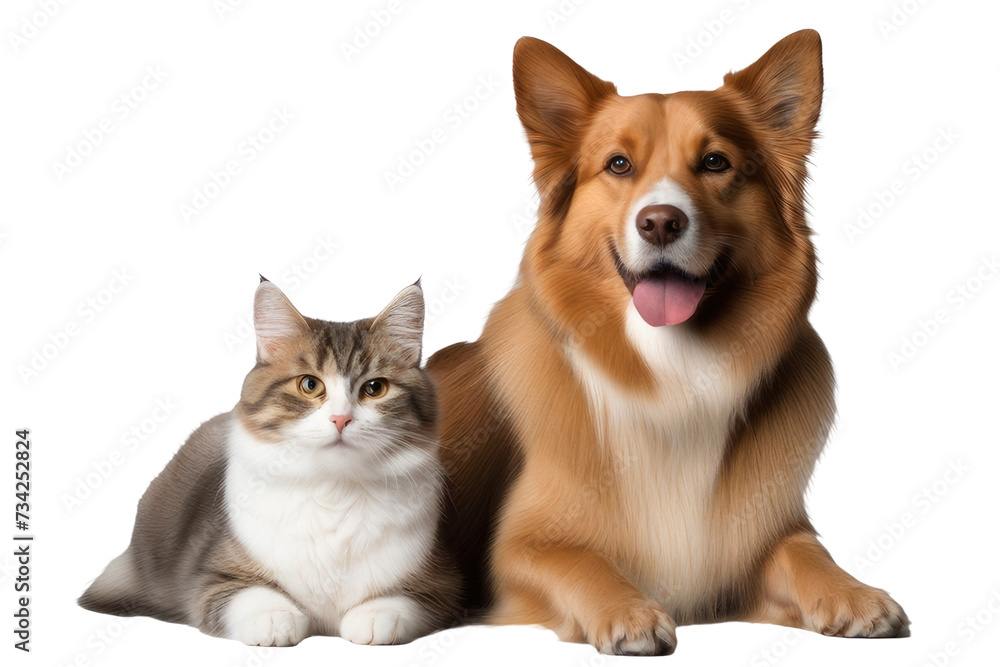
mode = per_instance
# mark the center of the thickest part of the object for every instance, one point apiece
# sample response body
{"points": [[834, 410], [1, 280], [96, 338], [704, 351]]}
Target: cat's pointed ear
{"points": [[401, 324], [275, 320]]}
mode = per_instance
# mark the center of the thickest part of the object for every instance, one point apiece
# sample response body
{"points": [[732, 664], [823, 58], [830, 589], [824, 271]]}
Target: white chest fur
{"points": [[329, 543], [667, 448]]}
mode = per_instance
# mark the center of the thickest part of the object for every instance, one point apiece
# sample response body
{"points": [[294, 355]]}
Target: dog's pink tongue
{"points": [[668, 300]]}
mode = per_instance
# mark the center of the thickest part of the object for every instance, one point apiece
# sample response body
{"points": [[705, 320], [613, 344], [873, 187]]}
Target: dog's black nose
{"points": [[661, 224]]}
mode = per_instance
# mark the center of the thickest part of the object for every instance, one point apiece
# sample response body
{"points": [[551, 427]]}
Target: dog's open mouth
{"points": [[664, 295]]}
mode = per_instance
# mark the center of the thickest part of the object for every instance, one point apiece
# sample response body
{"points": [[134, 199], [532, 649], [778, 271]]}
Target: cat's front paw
{"points": [[261, 616], [390, 620]]}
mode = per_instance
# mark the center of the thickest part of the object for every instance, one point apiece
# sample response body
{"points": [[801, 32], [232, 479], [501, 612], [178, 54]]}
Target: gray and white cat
{"points": [[312, 508]]}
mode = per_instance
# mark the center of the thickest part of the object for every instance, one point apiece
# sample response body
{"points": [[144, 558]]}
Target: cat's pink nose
{"points": [[341, 421]]}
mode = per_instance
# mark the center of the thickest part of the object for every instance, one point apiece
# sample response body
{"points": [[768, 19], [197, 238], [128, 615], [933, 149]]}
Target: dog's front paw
{"points": [[389, 620], [858, 611], [641, 628], [261, 616]]}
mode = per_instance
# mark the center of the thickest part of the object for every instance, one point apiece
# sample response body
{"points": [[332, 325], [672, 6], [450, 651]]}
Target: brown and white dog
{"points": [[630, 440]]}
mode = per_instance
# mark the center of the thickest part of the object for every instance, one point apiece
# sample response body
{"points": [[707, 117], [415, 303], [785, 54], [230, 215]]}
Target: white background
{"points": [[173, 332]]}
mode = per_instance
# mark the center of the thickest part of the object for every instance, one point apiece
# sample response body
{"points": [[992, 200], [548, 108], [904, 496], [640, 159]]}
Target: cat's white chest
{"points": [[667, 448], [330, 544]]}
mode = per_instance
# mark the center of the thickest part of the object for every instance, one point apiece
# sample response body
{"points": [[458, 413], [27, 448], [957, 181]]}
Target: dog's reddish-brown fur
{"points": [[548, 516]]}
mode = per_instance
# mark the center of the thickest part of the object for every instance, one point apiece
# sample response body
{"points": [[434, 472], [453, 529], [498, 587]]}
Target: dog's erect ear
{"points": [[555, 98], [783, 91], [785, 86]]}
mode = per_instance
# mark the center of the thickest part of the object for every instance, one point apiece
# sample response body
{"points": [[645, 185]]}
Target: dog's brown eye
{"points": [[375, 388], [619, 165], [714, 162], [310, 386]]}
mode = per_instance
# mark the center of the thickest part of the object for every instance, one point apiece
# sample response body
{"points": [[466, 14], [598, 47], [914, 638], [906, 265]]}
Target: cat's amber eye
{"points": [[375, 388], [311, 387]]}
